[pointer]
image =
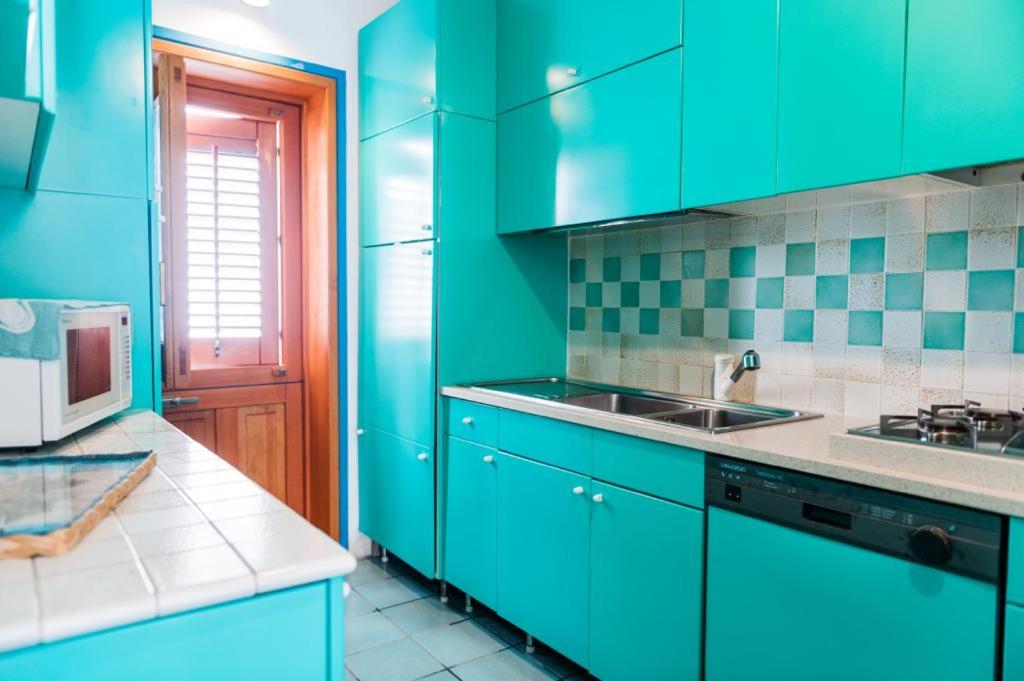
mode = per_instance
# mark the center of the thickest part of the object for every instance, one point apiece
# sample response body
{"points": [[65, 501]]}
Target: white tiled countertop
{"points": [[194, 533], [820, 446]]}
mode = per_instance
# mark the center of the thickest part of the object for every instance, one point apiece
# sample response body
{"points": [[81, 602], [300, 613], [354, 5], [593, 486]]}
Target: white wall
{"points": [[319, 31]]}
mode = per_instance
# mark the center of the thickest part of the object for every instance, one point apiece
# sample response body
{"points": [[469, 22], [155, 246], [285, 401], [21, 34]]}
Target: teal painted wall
{"points": [[86, 233]]}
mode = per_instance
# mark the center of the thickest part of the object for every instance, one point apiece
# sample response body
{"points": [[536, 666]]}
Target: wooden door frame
{"points": [[319, 91]]}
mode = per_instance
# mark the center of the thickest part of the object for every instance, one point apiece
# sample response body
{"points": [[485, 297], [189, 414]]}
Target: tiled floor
{"points": [[397, 629]]}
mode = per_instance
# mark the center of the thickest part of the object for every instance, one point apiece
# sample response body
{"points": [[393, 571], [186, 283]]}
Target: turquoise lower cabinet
{"points": [[790, 605], [730, 101], [544, 553], [965, 84], [396, 496], [663, 470], [470, 522], [1015, 563], [605, 150], [840, 91], [396, 340], [558, 443], [292, 634], [1013, 644], [646, 587], [396, 195]]}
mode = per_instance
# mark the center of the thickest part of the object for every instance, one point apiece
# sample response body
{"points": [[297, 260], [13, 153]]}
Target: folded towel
{"points": [[30, 329]]}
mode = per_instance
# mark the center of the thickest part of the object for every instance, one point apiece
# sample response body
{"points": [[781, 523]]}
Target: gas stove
{"points": [[962, 426]]}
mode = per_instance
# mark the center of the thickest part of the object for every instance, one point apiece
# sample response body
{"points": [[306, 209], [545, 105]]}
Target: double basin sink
{"points": [[709, 416]]}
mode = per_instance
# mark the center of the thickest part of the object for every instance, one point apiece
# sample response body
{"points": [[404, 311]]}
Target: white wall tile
{"points": [[945, 291], [862, 399], [796, 391], [833, 257], [830, 360], [650, 294], [905, 216], [942, 369], [828, 395], [898, 399], [716, 263], [948, 211], [867, 219], [693, 237], [716, 323], [798, 359], [771, 229], [768, 325], [833, 224], [991, 249], [863, 363], [988, 332], [904, 253], [867, 291], [671, 266], [830, 326], [994, 206], [742, 293], [987, 372], [771, 260], [801, 227], [692, 293], [799, 293], [743, 231], [901, 328]]}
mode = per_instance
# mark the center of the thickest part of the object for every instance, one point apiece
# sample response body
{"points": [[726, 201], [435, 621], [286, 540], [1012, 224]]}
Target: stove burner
{"points": [[963, 425]]}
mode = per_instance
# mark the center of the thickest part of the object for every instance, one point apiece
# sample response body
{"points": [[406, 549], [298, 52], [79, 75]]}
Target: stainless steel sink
{"points": [[620, 403], [696, 413]]}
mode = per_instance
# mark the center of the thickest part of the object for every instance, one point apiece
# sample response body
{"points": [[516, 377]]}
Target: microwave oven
{"points": [[44, 400]]}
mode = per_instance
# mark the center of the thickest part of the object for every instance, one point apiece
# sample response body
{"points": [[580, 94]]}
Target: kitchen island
{"points": [[198, 573]]}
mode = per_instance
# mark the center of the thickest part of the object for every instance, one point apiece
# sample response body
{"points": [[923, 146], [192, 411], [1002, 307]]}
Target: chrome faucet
{"points": [[751, 361]]}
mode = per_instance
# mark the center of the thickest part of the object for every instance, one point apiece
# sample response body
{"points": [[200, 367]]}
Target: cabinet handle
{"points": [[577, 490], [598, 498], [422, 456], [467, 420], [488, 459], [427, 228], [426, 251], [359, 431], [428, 100], [572, 71]]}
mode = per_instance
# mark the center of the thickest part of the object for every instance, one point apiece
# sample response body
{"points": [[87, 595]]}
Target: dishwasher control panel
{"points": [[943, 536]]}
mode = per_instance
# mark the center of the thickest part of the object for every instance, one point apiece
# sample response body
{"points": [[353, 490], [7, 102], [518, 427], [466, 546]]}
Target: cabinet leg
{"points": [[383, 555], [444, 592], [530, 648], [469, 603]]}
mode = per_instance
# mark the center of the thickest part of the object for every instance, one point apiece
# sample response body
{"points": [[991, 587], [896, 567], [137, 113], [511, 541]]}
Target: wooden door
{"points": [[232, 284]]}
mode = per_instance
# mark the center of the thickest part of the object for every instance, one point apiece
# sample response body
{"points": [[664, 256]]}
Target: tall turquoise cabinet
{"points": [[443, 299]]}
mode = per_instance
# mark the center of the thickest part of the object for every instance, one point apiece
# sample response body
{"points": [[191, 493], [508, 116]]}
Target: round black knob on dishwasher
{"points": [[931, 545]]}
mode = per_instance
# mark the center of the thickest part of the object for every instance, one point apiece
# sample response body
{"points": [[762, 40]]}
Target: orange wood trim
{"points": [[295, 477], [227, 434], [270, 258]]}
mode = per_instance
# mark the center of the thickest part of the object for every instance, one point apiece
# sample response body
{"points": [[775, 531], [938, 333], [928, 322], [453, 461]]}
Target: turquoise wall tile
{"points": [[867, 255], [671, 293], [770, 292], [577, 318], [630, 294], [594, 294], [691, 323], [577, 270], [832, 292], [944, 330], [650, 321], [865, 328], [798, 326], [610, 320], [800, 259], [741, 324], [742, 261], [716, 293], [946, 251], [904, 291], [1018, 332], [650, 267], [990, 290], [612, 269], [693, 264]]}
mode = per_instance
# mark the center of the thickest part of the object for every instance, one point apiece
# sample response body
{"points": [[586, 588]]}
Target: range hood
{"points": [[644, 221], [992, 175]]}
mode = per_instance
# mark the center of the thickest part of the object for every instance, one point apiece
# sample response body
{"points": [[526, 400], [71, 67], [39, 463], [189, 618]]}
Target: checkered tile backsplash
{"points": [[856, 307]]}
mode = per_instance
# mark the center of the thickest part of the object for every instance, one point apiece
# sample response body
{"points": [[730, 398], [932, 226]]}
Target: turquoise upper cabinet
{"points": [[645, 610], [730, 101], [27, 89], [396, 354], [545, 46], [607, 149], [397, 189], [965, 83], [840, 91], [426, 55], [100, 142], [544, 553], [471, 515]]}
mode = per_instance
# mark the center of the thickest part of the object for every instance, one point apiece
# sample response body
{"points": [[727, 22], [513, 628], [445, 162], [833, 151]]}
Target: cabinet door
{"points": [[397, 188], [544, 553], [545, 47], [965, 83], [605, 150], [645, 604], [470, 519], [396, 344], [200, 425], [397, 66], [840, 91], [1013, 646], [730, 101], [396, 496]]}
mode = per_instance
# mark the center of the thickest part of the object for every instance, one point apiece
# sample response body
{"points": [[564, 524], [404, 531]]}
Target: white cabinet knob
{"points": [[468, 420], [428, 100], [359, 431], [422, 456], [572, 71], [598, 498], [427, 228], [577, 490], [488, 459]]}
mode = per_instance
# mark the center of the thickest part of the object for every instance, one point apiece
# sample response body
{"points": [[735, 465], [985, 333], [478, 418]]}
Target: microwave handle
{"points": [[179, 401]]}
